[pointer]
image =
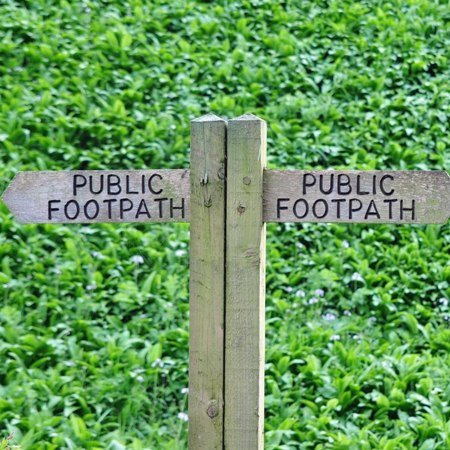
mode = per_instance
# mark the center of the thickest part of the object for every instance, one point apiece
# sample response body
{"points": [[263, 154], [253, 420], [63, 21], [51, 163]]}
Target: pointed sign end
{"points": [[9, 199], [7, 194], [447, 196]]}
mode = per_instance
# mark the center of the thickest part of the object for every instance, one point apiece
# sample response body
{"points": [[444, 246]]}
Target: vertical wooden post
{"points": [[207, 280], [245, 285]]}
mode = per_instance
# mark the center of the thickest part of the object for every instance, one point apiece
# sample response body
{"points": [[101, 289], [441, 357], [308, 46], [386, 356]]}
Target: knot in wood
{"points": [[208, 202], [247, 180], [212, 410], [241, 209], [252, 256]]}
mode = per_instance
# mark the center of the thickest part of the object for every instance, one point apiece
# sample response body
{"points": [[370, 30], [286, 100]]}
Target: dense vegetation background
{"points": [[94, 319]]}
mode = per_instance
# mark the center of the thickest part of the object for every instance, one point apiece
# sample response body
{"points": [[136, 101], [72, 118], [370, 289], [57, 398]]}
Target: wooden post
{"points": [[245, 285], [207, 280]]}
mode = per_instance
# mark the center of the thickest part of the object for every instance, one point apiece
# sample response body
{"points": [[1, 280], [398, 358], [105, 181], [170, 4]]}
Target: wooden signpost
{"points": [[100, 196], [356, 196], [227, 196]]}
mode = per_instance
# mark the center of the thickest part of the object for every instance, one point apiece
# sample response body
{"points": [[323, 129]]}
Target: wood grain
{"points": [[356, 196], [207, 280], [245, 285]]}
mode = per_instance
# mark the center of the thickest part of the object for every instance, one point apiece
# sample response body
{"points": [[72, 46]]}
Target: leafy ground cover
{"points": [[94, 319]]}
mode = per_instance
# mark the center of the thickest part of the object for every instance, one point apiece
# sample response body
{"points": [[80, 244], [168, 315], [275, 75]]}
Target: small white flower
{"points": [[299, 245], [356, 337], [137, 259], [357, 277], [97, 255], [183, 416], [173, 127], [319, 292], [185, 390], [335, 337], [300, 294], [158, 363], [372, 318], [347, 313], [446, 318], [6, 286], [87, 10], [313, 301], [140, 378], [329, 316], [91, 287], [443, 301], [289, 289], [180, 253], [345, 244]]}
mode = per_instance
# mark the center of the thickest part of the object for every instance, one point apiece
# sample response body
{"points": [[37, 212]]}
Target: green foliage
{"points": [[5, 444], [93, 343]]}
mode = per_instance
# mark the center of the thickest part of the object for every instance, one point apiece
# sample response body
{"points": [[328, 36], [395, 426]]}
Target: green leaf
{"points": [[126, 41], [112, 40]]}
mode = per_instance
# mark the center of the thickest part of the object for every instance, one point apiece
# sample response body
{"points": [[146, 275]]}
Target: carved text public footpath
{"points": [[100, 196], [355, 196], [289, 196]]}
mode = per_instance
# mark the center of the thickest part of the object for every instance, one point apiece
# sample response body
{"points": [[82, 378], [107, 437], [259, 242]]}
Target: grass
{"points": [[93, 343]]}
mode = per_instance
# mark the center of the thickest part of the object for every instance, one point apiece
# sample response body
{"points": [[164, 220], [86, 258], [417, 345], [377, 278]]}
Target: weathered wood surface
{"points": [[356, 196], [100, 196], [245, 285], [207, 283]]}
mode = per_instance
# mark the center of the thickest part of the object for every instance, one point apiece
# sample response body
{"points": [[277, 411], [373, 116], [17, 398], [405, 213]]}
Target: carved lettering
{"points": [[280, 207], [306, 183]]}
